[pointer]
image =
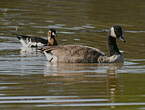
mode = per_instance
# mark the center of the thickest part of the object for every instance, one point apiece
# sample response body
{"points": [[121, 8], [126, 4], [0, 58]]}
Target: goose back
{"points": [[74, 53], [30, 41]]}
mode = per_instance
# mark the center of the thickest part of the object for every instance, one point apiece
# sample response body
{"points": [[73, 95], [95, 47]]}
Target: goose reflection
{"points": [[66, 69], [87, 80], [26, 51]]}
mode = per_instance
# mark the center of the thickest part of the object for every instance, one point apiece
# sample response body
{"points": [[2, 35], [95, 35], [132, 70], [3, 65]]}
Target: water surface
{"points": [[28, 81]]}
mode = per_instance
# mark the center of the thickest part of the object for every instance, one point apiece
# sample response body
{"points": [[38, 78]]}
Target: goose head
{"points": [[117, 32], [51, 33]]}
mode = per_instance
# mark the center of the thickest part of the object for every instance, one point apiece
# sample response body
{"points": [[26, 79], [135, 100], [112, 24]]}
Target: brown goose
{"points": [[86, 54], [29, 41]]}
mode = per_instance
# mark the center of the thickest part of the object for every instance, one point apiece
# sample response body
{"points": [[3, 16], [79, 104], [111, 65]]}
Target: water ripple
{"points": [[94, 104]]}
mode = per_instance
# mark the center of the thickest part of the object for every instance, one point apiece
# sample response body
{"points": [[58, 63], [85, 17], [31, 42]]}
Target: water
{"points": [[28, 81]]}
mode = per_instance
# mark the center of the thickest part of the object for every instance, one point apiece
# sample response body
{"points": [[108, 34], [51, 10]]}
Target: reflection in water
{"points": [[61, 89], [52, 68], [84, 75], [26, 51]]}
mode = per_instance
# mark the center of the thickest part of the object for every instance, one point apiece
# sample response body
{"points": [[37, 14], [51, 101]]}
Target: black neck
{"points": [[113, 49]]}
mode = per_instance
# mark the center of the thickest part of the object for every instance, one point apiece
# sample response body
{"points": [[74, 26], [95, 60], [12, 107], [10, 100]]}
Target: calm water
{"points": [[28, 81]]}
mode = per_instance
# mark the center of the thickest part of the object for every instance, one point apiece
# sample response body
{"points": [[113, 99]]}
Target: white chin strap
{"points": [[53, 33], [112, 33]]}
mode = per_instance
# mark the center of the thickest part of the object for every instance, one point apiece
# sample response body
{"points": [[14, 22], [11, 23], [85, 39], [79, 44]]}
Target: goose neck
{"points": [[113, 48]]}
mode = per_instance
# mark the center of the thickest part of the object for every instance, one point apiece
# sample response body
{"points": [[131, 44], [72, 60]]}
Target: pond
{"points": [[29, 81]]}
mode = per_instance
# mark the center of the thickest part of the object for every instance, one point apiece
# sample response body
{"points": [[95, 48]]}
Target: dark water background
{"points": [[28, 81]]}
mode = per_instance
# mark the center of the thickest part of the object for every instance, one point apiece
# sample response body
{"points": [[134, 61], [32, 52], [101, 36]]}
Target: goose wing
{"points": [[29, 41], [32, 39], [74, 53]]}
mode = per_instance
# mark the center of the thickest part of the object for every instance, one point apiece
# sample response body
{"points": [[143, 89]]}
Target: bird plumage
{"points": [[30, 41], [86, 54]]}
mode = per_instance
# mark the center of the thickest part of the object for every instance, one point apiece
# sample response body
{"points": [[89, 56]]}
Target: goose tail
{"points": [[25, 40], [50, 57]]}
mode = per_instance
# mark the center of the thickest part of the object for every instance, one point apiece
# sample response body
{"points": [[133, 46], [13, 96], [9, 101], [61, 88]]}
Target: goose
{"points": [[29, 41], [86, 54]]}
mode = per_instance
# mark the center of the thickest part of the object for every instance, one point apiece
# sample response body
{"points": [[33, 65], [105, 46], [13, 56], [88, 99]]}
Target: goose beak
{"points": [[122, 39]]}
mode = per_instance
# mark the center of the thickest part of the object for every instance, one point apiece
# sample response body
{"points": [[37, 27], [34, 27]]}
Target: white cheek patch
{"points": [[112, 33], [53, 33]]}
